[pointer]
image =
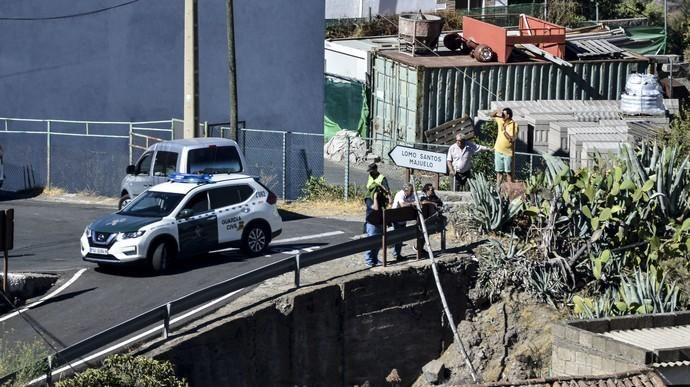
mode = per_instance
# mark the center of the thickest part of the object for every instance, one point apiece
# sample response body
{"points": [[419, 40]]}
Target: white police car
{"points": [[186, 216]]}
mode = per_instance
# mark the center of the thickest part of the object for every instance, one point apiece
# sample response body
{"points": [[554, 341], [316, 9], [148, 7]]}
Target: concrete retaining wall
{"points": [[579, 352], [336, 334]]}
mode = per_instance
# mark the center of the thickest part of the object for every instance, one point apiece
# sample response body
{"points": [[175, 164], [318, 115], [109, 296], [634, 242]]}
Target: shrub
{"points": [[22, 357], [318, 188], [127, 371]]}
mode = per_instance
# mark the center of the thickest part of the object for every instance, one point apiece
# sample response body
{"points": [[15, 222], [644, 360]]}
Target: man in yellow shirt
{"points": [[505, 145]]}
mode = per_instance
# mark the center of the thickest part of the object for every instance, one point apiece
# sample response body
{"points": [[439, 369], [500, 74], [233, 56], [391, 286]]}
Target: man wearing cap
{"points": [[375, 182], [460, 159]]}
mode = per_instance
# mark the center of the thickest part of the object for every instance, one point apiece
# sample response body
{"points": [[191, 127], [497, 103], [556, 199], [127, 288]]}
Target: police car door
{"points": [[229, 204], [197, 226]]}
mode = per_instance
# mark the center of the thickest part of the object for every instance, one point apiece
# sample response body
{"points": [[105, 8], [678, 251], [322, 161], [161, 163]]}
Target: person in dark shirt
{"points": [[374, 225], [429, 196]]}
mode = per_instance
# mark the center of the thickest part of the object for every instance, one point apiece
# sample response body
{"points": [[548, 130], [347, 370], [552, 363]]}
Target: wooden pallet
{"points": [[444, 134]]}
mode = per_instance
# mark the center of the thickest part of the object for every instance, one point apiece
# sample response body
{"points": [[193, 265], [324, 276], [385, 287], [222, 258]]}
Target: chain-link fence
{"points": [[89, 156], [41, 154], [283, 160], [505, 15], [346, 159], [75, 156]]}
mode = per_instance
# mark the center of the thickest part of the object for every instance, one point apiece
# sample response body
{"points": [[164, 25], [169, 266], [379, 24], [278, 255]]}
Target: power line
{"points": [[87, 13]]}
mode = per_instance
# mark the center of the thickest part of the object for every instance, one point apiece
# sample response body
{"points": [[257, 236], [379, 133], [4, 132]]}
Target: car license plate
{"points": [[98, 250]]}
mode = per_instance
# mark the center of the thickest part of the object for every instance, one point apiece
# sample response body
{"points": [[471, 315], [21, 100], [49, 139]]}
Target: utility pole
{"points": [[191, 71], [665, 26], [232, 71]]}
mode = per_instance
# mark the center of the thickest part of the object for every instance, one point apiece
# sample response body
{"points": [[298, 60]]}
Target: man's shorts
{"points": [[503, 163]]}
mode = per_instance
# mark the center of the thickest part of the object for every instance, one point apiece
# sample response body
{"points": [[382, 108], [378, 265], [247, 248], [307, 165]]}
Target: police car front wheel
{"points": [[160, 257], [255, 239]]}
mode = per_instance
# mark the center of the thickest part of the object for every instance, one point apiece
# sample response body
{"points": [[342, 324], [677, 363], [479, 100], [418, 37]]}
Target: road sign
{"points": [[407, 157]]}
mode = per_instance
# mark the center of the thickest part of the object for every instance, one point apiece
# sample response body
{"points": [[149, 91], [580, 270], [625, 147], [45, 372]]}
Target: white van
{"points": [[202, 155]]}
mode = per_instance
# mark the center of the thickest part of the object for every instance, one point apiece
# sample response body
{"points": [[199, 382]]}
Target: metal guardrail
{"points": [[163, 313]]}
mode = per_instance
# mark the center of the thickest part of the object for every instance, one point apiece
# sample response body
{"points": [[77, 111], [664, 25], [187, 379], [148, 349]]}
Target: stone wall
{"points": [[578, 352], [580, 349], [336, 334]]}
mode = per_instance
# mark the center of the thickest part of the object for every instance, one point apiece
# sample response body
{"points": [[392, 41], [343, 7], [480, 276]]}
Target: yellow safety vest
{"points": [[372, 184]]}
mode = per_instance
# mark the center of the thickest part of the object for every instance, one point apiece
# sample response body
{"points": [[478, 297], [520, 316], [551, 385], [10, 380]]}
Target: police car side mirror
{"points": [[130, 169], [186, 213]]}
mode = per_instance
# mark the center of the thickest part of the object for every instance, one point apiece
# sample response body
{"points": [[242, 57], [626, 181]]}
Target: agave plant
{"points": [[490, 210], [501, 266], [638, 293], [546, 283], [642, 292], [602, 306], [662, 171]]}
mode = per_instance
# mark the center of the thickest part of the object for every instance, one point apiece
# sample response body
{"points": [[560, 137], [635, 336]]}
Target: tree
{"points": [[679, 30], [636, 8], [564, 12]]}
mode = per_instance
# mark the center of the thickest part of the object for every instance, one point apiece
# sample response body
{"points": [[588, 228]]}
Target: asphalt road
{"points": [[47, 240]]}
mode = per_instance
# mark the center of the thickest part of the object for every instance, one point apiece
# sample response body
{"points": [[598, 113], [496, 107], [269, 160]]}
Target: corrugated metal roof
{"points": [[684, 363], [655, 339]]}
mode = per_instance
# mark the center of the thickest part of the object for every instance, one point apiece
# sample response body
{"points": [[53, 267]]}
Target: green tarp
{"points": [[345, 108], [647, 40]]}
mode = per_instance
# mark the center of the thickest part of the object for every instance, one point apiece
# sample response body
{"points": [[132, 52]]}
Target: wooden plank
{"points": [[445, 133]]}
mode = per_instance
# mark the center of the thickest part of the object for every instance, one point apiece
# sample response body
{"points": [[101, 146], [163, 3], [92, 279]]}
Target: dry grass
{"points": [[60, 195], [53, 191], [325, 208]]}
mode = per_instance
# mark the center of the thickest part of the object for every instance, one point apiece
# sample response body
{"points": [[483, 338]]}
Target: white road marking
{"points": [[288, 240], [46, 297], [149, 332], [322, 235]]}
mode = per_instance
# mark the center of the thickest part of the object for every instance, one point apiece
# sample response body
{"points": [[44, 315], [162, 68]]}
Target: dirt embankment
{"points": [[507, 340]]}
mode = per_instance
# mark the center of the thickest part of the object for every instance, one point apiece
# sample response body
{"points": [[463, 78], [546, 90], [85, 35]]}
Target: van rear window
{"points": [[220, 159]]}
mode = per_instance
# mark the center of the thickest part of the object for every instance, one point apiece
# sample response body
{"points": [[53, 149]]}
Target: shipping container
{"points": [[413, 94]]}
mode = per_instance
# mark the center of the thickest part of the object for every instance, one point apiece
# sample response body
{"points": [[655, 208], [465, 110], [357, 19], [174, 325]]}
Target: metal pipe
{"points": [[670, 74], [442, 296], [47, 154], [166, 321], [130, 143], [347, 170], [297, 267], [284, 165]]}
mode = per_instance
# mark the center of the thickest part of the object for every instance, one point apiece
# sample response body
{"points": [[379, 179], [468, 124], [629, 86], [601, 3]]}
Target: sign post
{"points": [[412, 158], [6, 240]]}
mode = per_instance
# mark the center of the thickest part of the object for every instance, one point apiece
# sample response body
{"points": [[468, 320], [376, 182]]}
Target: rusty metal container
{"points": [[419, 33]]}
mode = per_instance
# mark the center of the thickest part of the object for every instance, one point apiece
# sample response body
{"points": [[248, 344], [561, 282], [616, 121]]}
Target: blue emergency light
{"points": [[189, 178]]}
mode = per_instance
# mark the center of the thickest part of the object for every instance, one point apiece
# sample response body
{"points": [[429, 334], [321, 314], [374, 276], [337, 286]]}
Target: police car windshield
{"points": [[153, 204]]}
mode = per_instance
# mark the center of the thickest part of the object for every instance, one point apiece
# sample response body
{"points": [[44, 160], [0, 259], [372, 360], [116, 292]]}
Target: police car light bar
{"points": [[189, 178]]}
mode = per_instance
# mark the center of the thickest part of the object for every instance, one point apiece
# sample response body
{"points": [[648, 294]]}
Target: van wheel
{"points": [[255, 239], [124, 201], [160, 258]]}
